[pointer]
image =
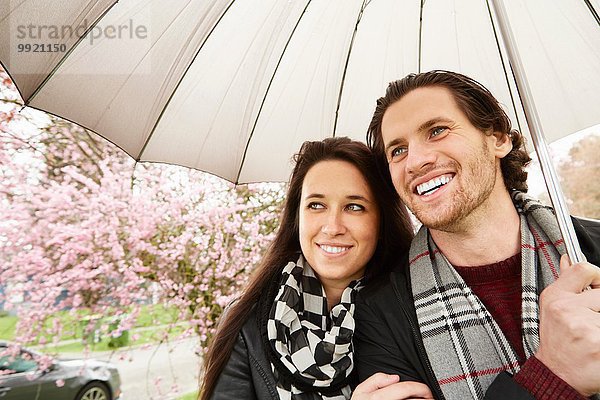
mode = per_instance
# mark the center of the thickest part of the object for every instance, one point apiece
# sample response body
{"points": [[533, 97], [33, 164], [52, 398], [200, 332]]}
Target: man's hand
{"points": [[382, 386], [570, 326]]}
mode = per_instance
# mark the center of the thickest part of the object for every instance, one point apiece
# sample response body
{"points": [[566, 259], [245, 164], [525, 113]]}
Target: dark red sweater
{"points": [[498, 286]]}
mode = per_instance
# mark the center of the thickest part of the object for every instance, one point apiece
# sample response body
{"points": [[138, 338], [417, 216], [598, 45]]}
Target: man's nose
{"points": [[419, 156], [334, 224]]}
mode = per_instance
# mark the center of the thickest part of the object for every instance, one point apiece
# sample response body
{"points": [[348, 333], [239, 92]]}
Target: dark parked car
{"points": [[21, 378]]}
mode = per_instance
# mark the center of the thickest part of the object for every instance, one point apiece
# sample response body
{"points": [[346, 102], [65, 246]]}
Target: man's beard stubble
{"points": [[471, 193]]}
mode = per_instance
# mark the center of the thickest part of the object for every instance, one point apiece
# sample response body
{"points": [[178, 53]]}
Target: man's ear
{"points": [[502, 144]]}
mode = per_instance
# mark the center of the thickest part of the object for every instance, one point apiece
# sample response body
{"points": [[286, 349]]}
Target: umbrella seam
{"points": [[262, 103], [420, 45], [502, 61], [180, 81], [6, 69], [67, 54], [593, 11], [124, 83], [343, 80]]}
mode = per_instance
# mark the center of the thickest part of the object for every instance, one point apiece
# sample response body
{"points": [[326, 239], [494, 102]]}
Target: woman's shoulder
{"points": [[250, 331], [262, 374]]}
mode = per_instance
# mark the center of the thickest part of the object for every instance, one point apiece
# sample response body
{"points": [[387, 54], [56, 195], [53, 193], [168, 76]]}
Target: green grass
{"points": [[145, 337], [149, 327], [7, 327], [158, 314], [189, 396]]}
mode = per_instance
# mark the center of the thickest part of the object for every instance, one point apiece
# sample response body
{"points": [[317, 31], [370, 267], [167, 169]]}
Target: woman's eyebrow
{"points": [[358, 197], [314, 196]]}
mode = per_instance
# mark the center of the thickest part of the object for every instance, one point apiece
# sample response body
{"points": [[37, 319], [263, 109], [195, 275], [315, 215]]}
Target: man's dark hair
{"points": [[473, 99]]}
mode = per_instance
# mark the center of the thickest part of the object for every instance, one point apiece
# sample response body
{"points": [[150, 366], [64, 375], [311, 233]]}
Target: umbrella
{"points": [[234, 87]]}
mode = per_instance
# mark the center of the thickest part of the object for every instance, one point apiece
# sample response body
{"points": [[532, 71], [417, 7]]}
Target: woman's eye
{"points": [[438, 130], [355, 207], [315, 206]]}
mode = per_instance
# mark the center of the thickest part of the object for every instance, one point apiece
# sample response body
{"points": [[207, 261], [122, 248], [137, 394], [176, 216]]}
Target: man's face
{"points": [[443, 168]]}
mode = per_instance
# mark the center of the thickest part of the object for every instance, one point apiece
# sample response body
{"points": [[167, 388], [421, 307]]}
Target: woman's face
{"points": [[339, 222]]}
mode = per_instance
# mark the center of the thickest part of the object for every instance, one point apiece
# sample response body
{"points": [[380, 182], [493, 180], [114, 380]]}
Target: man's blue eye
{"points": [[438, 130], [398, 151]]}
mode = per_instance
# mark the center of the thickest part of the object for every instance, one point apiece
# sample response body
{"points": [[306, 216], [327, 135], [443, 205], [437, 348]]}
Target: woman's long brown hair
{"points": [[395, 233]]}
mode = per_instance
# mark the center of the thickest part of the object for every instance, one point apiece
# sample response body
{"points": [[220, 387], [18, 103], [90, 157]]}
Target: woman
{"points": [[290, 334]]}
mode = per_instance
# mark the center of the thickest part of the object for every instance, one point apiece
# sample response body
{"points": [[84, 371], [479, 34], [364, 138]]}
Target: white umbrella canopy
{"points": [[234, 87]]}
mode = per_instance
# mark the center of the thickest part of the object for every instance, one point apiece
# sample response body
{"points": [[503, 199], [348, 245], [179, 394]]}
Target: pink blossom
{"points": [[82, 228]]}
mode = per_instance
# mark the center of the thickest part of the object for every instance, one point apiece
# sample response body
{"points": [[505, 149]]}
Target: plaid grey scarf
{"points": [[313, 344], [464, 344]]}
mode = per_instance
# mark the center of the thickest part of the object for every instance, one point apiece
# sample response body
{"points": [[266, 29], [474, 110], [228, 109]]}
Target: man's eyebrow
{"points": [[393, 143], [434, 121]]}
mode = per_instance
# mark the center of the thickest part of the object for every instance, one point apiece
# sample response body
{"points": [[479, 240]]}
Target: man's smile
{"points": [[432, 185]]}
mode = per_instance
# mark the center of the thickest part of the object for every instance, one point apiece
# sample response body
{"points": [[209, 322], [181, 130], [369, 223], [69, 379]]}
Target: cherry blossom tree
{"points": [[85, 229]]}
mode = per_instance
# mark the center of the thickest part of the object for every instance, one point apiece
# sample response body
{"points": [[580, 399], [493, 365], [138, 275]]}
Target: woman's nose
{"points": [[333, 224]]}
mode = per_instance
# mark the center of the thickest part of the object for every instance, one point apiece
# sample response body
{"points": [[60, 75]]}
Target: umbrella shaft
{"points": [[535, 127]]}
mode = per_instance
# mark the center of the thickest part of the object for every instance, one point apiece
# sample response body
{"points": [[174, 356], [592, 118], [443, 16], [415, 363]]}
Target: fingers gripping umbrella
{"points": [[234, 87]]}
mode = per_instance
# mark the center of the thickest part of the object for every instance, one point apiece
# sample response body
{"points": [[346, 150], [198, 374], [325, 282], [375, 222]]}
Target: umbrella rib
{"points": [[350, 47], [593, 11], [262, 103], [141, 60], [8, 72], [420, 45], [67, 54], [502, 61], [162, 112]]}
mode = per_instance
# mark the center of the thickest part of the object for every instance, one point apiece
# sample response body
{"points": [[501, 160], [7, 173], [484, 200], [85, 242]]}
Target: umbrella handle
{"points": [[539, 143]]}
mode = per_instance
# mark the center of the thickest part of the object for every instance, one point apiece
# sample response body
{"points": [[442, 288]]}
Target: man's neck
{"points": [[488, 237]]}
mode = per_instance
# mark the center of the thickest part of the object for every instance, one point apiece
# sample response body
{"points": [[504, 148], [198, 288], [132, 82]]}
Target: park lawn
{"points": [[145, 336], [150, 323], [7, 327]]}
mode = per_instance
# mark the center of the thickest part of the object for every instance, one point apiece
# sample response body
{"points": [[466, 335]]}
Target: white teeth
{"points": [[433, 184], [333, 249]]}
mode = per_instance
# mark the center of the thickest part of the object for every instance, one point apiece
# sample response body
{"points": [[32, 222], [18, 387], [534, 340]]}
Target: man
{"points": [[461, 313]]}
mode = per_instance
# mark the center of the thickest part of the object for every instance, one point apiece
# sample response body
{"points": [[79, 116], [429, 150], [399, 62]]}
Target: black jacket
{"points": [[248, 373], [387, 337]]}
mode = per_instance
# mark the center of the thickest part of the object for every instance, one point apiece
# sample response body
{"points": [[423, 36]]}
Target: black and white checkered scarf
{"points": [[464, 344], [311, 343]]}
